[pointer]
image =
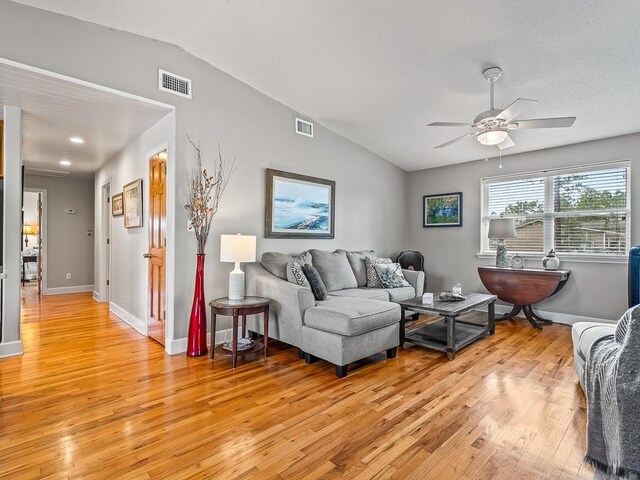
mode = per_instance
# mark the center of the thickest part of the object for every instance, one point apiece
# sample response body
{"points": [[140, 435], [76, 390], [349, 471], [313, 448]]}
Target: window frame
{"points": [[549, 215]]}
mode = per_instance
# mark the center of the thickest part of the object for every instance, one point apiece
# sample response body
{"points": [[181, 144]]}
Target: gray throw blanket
{"points": [[612, 384]]}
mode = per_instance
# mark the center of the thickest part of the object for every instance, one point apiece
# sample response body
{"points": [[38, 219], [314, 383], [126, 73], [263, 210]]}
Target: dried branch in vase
{"points": [[204, 192]]}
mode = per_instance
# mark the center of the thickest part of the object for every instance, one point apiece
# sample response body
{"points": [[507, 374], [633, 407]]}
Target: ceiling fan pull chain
{"points": [[500, 166]]}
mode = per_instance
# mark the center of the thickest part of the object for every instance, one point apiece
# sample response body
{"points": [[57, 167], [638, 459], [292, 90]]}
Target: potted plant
{"points": [[204, 192]]}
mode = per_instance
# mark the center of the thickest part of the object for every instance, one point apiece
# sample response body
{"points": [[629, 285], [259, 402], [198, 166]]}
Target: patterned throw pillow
{"points": [[317, 285], [391, 275], [296, 275], [373, 280]]}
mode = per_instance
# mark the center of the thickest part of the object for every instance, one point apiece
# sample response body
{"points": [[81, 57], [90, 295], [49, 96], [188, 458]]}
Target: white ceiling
{"points": [[377, 71], [56, 108]]}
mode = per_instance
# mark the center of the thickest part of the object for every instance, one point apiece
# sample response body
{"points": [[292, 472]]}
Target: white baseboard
{"points": [[556, 317], [11, 349], [64, 290], [96, 296], [179, 345], [132, 320]]}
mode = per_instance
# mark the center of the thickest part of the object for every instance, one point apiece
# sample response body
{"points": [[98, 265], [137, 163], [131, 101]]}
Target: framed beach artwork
{"points": [[132, 204], [444, 210], [117, 208], [298, 206]]}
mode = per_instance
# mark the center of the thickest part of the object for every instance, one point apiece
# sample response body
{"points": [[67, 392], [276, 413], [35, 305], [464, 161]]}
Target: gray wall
{"points": [[595, 289], [69, 248], [370, 192]]}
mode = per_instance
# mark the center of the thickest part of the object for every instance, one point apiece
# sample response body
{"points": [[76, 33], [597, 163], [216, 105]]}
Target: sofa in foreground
{"points": [[352, 323]]}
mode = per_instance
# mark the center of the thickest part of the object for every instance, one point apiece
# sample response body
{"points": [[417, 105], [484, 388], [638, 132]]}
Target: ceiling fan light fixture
{"points": [[492, 137]]}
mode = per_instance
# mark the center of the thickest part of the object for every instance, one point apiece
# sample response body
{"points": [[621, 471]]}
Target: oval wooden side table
{"points": [[236, 309]]}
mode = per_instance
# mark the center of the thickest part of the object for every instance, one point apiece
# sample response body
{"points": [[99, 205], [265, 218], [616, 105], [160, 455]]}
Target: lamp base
{"points": [[501, 254], [236, 284]]}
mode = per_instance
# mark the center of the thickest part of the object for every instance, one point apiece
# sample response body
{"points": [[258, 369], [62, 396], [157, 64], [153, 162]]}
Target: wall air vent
{"points": [[42, 172], [172, 83], [304, 128]]}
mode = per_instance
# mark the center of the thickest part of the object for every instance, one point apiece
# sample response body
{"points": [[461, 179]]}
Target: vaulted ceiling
{"points": [[377, 71]]}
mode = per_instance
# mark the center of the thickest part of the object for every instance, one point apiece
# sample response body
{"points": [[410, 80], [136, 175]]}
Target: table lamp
{"points": [[499, 229], [237, 248]]}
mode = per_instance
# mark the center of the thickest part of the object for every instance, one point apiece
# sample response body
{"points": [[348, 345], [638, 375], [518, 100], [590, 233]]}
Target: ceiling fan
{"points": [[493, 125]]}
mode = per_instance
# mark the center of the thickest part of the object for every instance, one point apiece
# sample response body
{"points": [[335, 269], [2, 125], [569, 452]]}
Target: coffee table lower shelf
{"points": [[434, 336], [449, 334]]}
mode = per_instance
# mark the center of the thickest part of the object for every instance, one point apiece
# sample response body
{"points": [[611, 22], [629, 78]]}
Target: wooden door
{"points": [[157, 245]]}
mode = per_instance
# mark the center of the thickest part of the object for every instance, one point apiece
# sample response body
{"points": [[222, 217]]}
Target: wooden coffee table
{"points": [[450, 334]]}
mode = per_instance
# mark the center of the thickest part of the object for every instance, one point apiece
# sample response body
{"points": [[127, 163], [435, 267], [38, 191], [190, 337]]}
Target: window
{"points": [[582, 211]]}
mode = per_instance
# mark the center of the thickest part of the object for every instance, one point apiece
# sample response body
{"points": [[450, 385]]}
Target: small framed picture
{"points": [[443, 210], [117, 209], [132, 204]]}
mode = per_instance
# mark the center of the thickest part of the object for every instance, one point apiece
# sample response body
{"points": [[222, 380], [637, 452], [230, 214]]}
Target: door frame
{"points": [[43, 234], [170, 251], [105, 233]]}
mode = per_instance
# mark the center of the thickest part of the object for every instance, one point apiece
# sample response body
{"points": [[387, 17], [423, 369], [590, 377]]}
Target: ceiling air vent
{"points": [[45, 173], [172, 83], [304, 128]]}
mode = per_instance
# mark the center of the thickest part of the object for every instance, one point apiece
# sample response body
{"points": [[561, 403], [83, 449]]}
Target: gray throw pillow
{"points": [[356, 260], [296, 275], [391, 275], [317, 285], [373, 280], [334, 269], [276, 263]]}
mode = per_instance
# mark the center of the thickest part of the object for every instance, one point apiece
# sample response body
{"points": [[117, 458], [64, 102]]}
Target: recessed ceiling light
{"points": [[66, 163], [77, 140]]}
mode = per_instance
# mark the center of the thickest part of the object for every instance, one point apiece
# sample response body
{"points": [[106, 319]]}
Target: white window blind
{"points": [[576, 211]]}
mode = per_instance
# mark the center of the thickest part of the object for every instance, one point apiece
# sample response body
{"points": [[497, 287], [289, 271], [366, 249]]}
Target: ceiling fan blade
{"points": [[515, 109], [449, 124], [507, 143], [543, 123], [456, 140]]}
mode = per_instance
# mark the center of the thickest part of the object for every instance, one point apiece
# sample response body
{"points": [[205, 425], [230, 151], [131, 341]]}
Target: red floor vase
{"points": [[197, 340]]}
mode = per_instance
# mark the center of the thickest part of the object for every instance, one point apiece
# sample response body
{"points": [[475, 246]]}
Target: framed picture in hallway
{"points": [[298, 206], [132, 204], [117, 208], [443, 210]]}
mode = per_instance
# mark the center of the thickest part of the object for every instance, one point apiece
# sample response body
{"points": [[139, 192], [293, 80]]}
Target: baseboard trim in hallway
{"points": [[139, 325], [11, 349], [65, 290]]}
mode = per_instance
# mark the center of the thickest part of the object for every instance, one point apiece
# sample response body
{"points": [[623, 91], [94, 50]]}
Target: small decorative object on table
{"points": [[204, 192], [451, 297], [427, 298], [551, 262], [517, 262]]}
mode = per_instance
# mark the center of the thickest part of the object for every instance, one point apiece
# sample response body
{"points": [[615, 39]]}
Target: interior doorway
{"points": [[157, 246], [33, 243]]}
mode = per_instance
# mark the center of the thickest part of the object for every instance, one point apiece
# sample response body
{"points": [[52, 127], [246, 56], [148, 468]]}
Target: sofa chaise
{"points": [[352, 323]]}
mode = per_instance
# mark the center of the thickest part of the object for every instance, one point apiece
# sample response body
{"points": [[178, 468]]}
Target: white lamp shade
{"points": [[238, 248], [502, 228]]}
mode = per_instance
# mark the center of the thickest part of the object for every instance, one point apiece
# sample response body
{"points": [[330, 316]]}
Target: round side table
{"points": [[240, 308]]}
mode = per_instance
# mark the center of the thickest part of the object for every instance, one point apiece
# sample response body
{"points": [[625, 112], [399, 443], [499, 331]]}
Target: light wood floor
{"points": [[92, 398]]}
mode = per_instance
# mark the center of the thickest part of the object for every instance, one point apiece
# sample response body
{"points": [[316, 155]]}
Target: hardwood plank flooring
{"points": [[92, 398]]}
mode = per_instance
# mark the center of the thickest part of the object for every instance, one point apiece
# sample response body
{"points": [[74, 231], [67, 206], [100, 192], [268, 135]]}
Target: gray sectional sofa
{"points": [[354, 321]]}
